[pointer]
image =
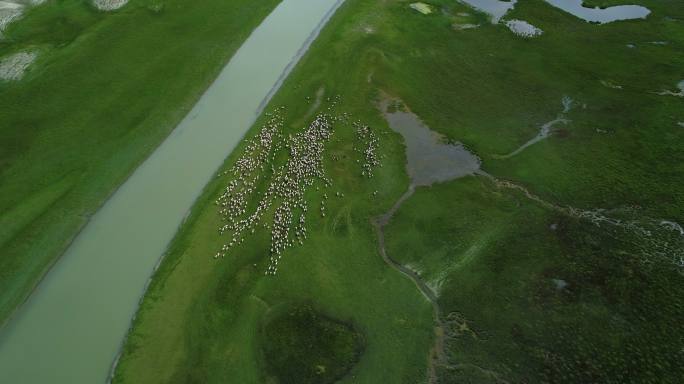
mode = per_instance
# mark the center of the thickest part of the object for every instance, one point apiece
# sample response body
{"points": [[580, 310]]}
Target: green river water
{"points": [[71, 328]]}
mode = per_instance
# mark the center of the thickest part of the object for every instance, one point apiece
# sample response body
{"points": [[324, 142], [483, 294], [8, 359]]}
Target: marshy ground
{"points": [[562, 263], [538, 268]]}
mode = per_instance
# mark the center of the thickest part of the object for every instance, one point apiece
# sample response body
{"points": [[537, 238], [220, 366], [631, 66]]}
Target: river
{"points": [[71, 328]]}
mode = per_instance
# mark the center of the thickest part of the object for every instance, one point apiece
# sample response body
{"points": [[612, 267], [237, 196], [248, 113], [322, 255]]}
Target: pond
{"points": [[429, 157]]}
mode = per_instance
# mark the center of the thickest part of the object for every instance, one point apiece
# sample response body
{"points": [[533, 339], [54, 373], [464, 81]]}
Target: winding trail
{"points": [[379, 223], [437, 354]]}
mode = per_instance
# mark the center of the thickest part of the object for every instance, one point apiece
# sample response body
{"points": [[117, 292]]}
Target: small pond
{"points": [[430, 158]]}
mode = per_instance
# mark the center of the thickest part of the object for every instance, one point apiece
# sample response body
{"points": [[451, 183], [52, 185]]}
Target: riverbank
{"points": [[126, 237], [99, 105], [525, 290]]}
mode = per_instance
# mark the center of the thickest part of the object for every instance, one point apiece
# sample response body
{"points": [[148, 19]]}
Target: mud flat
{"points": [[13, 67], [109, 5], [70, 330], [494, 8], [9, 11], [523, 29], [12, 10]]}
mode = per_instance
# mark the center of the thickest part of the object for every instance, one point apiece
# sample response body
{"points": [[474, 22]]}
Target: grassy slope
{"points": [[491, 90], [105, 91]]}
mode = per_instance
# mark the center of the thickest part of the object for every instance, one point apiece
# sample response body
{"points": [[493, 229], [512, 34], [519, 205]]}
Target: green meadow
{"points": [[105, 90], [530, 289], [532, 295]]}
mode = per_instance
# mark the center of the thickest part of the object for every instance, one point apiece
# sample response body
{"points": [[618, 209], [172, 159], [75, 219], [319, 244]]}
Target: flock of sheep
{"points": [[288, 184], [285, 185], [365, 135]]}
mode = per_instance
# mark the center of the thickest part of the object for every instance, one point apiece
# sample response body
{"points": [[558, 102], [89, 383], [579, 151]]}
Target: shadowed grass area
{"points": [[529, 293], [104, 92], [303, 346]]}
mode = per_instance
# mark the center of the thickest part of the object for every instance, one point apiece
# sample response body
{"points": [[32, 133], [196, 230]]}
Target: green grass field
{"points": [[543, 297], [531, 294], [104, 92]]}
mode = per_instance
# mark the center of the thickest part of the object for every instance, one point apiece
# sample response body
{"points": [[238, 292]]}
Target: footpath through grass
{"points": [[105, 91], [531, 293]]}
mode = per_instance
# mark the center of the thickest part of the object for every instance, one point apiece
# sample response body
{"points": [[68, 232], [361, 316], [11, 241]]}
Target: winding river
{"points": [[71, 329]]}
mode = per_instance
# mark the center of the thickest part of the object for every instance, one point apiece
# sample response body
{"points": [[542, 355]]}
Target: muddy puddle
{"points": [[14, 66]]}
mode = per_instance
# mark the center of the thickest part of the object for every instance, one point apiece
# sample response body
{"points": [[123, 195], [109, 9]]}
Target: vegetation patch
{"points": [[529, 295], [303, 346]]}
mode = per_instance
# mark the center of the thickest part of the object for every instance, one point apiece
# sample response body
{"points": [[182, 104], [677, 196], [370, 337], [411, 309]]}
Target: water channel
{"points": [[71, 328]]}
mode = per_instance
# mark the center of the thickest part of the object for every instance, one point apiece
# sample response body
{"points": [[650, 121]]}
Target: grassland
{"points": [[536, 296], [531, 293], [104, 92]]}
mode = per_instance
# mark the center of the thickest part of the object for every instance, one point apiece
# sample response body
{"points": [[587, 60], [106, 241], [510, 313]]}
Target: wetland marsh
{"points": [[438, 192], [549, 267]]}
